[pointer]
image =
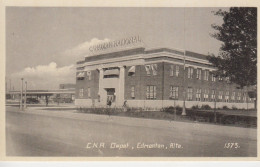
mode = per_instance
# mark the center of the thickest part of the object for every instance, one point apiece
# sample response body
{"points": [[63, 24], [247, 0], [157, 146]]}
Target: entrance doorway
{"points": [[111, 94]]}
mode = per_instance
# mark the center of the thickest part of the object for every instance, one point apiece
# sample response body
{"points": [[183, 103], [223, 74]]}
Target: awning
{"points": [[132, 70], [80, 75], [111, 72]]}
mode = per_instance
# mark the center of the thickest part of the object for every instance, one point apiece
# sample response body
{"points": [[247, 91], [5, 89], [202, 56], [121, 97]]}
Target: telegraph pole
{"points": [[184, 86], [21, 102]]}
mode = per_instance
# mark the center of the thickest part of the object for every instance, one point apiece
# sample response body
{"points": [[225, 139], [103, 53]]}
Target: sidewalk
{"points": [[147, 123]]}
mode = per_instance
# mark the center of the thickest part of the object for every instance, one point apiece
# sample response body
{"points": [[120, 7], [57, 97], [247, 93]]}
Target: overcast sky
{"points": [[43, 44]]}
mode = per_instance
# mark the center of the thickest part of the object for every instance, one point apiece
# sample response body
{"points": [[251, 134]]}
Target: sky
{"points": [[43, 44]]}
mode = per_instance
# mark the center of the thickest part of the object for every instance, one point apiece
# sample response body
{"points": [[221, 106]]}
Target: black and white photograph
{"points": [[131, 81]]}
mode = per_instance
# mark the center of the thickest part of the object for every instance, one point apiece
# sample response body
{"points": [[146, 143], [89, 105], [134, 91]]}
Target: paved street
{"points": [[38, 132]]}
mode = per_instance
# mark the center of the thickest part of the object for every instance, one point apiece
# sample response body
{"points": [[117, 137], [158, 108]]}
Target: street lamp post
{"points": [[21, 102]]}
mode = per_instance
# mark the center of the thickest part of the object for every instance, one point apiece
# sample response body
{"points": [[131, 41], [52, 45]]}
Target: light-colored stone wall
{"points": [[157, 104]]}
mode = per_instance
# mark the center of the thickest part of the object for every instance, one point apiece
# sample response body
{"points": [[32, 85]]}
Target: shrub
{"points": [[178, 108], [234, 108], [225, 108], [206, 107], [168, 109], [195, 107]]}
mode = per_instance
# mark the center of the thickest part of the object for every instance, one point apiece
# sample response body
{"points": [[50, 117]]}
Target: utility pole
{"points": [[21, 101], [10, 86], [25, 95], [184, 86]]}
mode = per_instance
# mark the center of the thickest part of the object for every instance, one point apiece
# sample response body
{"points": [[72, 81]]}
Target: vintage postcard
{"points": [[129, 81]]}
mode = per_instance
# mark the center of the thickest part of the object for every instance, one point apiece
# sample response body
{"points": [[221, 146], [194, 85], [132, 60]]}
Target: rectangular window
{"points": [[174, 92], [198, 94], [148, 69], [198, 74], [81, 92], [213, 95], [89, 75], [177, 70], [172, 70], [190, 72], [133, 92], [244, 96], [151, 92], [206, 75], [151, 69], [239, 96], [154, 69], [227, 96], [228, 79], [213, 78], [233, 97], [206, 95], [220, 95], [189, 93], [89, 92]]}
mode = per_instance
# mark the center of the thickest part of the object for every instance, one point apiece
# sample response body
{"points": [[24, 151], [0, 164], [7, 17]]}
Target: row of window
{"points": [[151, 69], [199, 96], [175, 71], [207, 95]]}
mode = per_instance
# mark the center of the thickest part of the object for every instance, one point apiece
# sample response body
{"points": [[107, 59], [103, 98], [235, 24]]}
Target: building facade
{"points": [[153, 78]]}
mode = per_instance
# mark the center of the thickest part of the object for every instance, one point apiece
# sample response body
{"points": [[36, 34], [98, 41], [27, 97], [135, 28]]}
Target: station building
{"points": [[124, 70]]}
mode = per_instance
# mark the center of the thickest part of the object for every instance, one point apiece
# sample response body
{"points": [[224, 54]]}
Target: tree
{"points": [[237, 58]]}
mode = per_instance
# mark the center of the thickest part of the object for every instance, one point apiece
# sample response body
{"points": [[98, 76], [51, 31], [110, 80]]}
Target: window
{"points": [[213, 78], [131, 71], [190, 72], [220, 78], [148, 69], [151, 92], [189, 94], [227, 96], [206, 75], [198, 74], [174, 92], [228, 79], [220, 95], [151, 69], [172, 70], [80, 75], [198, 94], [133, 92], [154, 69], [233, 96], [213, 95], [239, 96], [206, 95], [81, 91], [177, 71], [244, 96], [89, 93], [89, 75]]}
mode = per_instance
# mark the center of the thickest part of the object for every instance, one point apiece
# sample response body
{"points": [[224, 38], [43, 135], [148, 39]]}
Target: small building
{"points": [[123, 70]]}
